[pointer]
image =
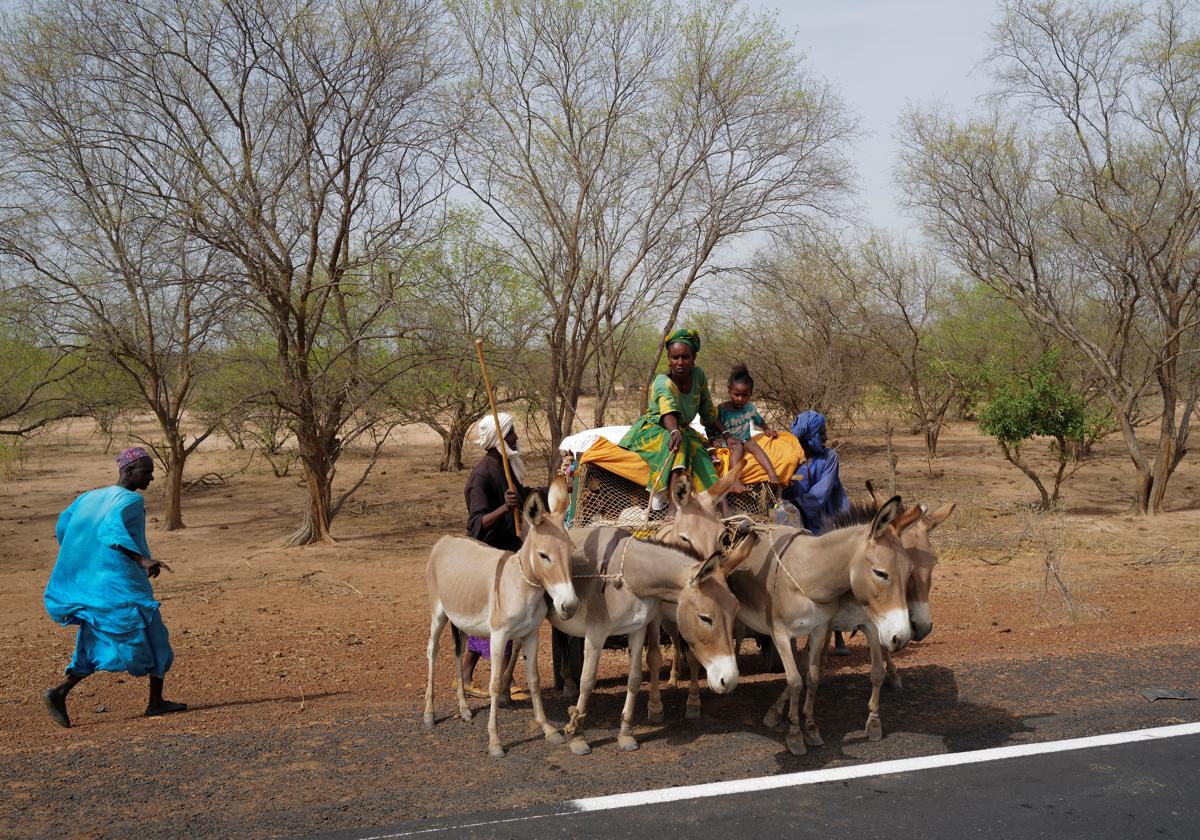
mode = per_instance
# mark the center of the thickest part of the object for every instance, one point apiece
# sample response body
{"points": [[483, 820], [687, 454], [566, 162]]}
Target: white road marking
{"points": [[813, 777], [881, 768]]}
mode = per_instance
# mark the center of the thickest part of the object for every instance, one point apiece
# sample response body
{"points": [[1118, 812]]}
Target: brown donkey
{"points": [[851, 616], [792, 586], [500, 595]]}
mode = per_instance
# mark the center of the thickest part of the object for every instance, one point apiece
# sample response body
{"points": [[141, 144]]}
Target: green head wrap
{"points": [[690, 337]]}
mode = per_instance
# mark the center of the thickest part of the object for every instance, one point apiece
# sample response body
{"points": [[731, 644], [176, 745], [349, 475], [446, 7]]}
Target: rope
{"points": [[521, 569], [779, 560], [619, 578]]}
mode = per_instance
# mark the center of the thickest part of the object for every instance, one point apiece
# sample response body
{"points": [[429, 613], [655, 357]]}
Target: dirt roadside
{"points": [[305, 667]]}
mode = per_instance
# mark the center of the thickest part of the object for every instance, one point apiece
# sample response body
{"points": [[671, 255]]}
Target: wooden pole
{"points": [[502, 446]]}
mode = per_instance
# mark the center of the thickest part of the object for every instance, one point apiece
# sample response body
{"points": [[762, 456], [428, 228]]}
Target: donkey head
{"points": [[880, 571], [547, 548], [923, 559], [698, 525], [705, 614]]}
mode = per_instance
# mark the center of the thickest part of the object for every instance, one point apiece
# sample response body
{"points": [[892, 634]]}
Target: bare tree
{"points": [[114, 277], [890, 304], [618, 145], [33, 379], [1086, 216], [305, 132], [462, 289], [781, 323]]}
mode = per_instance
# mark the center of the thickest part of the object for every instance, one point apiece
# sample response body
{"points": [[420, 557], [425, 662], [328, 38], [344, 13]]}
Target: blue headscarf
{"points": [[807, 430]]}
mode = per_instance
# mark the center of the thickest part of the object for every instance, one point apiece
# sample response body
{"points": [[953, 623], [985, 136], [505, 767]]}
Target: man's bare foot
{"points": [[165, 707], [56, 705], [738, 487]]}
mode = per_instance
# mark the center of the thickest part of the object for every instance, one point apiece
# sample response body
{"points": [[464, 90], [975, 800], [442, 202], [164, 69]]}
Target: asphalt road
{"points": [[1141, 789], [202, 776]]}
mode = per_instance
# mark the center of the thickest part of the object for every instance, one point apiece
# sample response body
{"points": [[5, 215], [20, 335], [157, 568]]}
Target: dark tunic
{"points": [[484, 493]]}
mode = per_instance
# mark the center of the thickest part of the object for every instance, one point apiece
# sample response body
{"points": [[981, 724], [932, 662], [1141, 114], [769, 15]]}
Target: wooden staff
{"points": [[502, 446]]}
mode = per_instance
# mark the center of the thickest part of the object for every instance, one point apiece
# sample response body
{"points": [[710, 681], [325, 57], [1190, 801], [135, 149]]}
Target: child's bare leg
{"points": [[737, 451], [760, 456]]}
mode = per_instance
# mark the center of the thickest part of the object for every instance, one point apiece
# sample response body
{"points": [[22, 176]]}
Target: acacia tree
{"points": [[618, 145], [786, 329], [99, 248], [462, 289], [1087, 216], [305, 131], [34, 390], [891, 303], [1038, 404]]}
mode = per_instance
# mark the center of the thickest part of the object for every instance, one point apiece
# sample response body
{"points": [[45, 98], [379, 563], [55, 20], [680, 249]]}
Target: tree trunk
{"points": [[318, 478], [176, 458], [173, 516], [452, 447], [1013, 456]]}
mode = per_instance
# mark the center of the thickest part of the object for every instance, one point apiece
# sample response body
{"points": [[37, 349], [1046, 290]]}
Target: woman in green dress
{"points": [[662, 436]]}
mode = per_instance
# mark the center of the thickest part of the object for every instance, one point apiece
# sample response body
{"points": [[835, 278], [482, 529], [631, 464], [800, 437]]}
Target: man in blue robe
{"points": [[816, 488], [101, 582]]}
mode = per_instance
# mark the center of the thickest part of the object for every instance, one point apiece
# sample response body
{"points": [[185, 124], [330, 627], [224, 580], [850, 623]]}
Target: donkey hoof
{"points": [[692, 712], [895, 682], [555, 737], [772, 719], [495, 751], [627, 743], [429, 720], [874, 730], [580, 747], [465, 713], [503, 701], [654, 714], [812, 736], [795, 743]]}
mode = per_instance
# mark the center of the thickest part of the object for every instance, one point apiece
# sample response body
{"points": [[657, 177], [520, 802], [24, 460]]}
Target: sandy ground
{"points": [[282, 647]]}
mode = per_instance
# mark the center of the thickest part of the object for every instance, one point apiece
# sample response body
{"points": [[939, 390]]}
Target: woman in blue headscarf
{"points": [[816, 488]]}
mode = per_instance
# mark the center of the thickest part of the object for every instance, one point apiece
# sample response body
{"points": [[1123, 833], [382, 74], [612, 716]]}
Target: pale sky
{"points": [[882, 56]]}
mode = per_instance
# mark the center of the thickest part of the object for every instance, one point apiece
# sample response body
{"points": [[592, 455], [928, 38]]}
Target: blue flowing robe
{"points": [[816, 488], [99, 588]]}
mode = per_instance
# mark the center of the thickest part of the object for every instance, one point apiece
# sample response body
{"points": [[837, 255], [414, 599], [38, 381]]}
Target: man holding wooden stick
{"points": [[492, 506]]}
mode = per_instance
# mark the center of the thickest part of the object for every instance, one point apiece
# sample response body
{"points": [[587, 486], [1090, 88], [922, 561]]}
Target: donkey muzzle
{"points": [[722, 674], [894, 628], [565, 601], [920, 620]]}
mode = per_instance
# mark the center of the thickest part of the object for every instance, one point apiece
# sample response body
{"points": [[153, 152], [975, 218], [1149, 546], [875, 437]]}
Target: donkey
{"points": [[792, 586], [622, 584], [851, 615], [698, 526], [488, 592]]}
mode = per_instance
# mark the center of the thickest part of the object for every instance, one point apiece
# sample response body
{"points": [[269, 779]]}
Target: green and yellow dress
{"points": [[651, 440]]}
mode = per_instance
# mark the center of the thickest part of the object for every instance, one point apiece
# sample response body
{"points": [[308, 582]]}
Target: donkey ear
{"points": [[706, 570], [883, 518], [726, 482], [534, 509], [940, 515], [738, 551], [907, 519], [559, 496], [681, 489], [871, 491]]}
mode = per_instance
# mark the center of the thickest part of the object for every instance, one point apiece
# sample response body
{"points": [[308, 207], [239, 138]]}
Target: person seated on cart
{"points": [[662, 436], [816, 489]]}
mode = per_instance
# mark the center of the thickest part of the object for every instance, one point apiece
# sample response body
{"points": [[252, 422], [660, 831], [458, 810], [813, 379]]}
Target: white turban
{"points": [[485, 436]]}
